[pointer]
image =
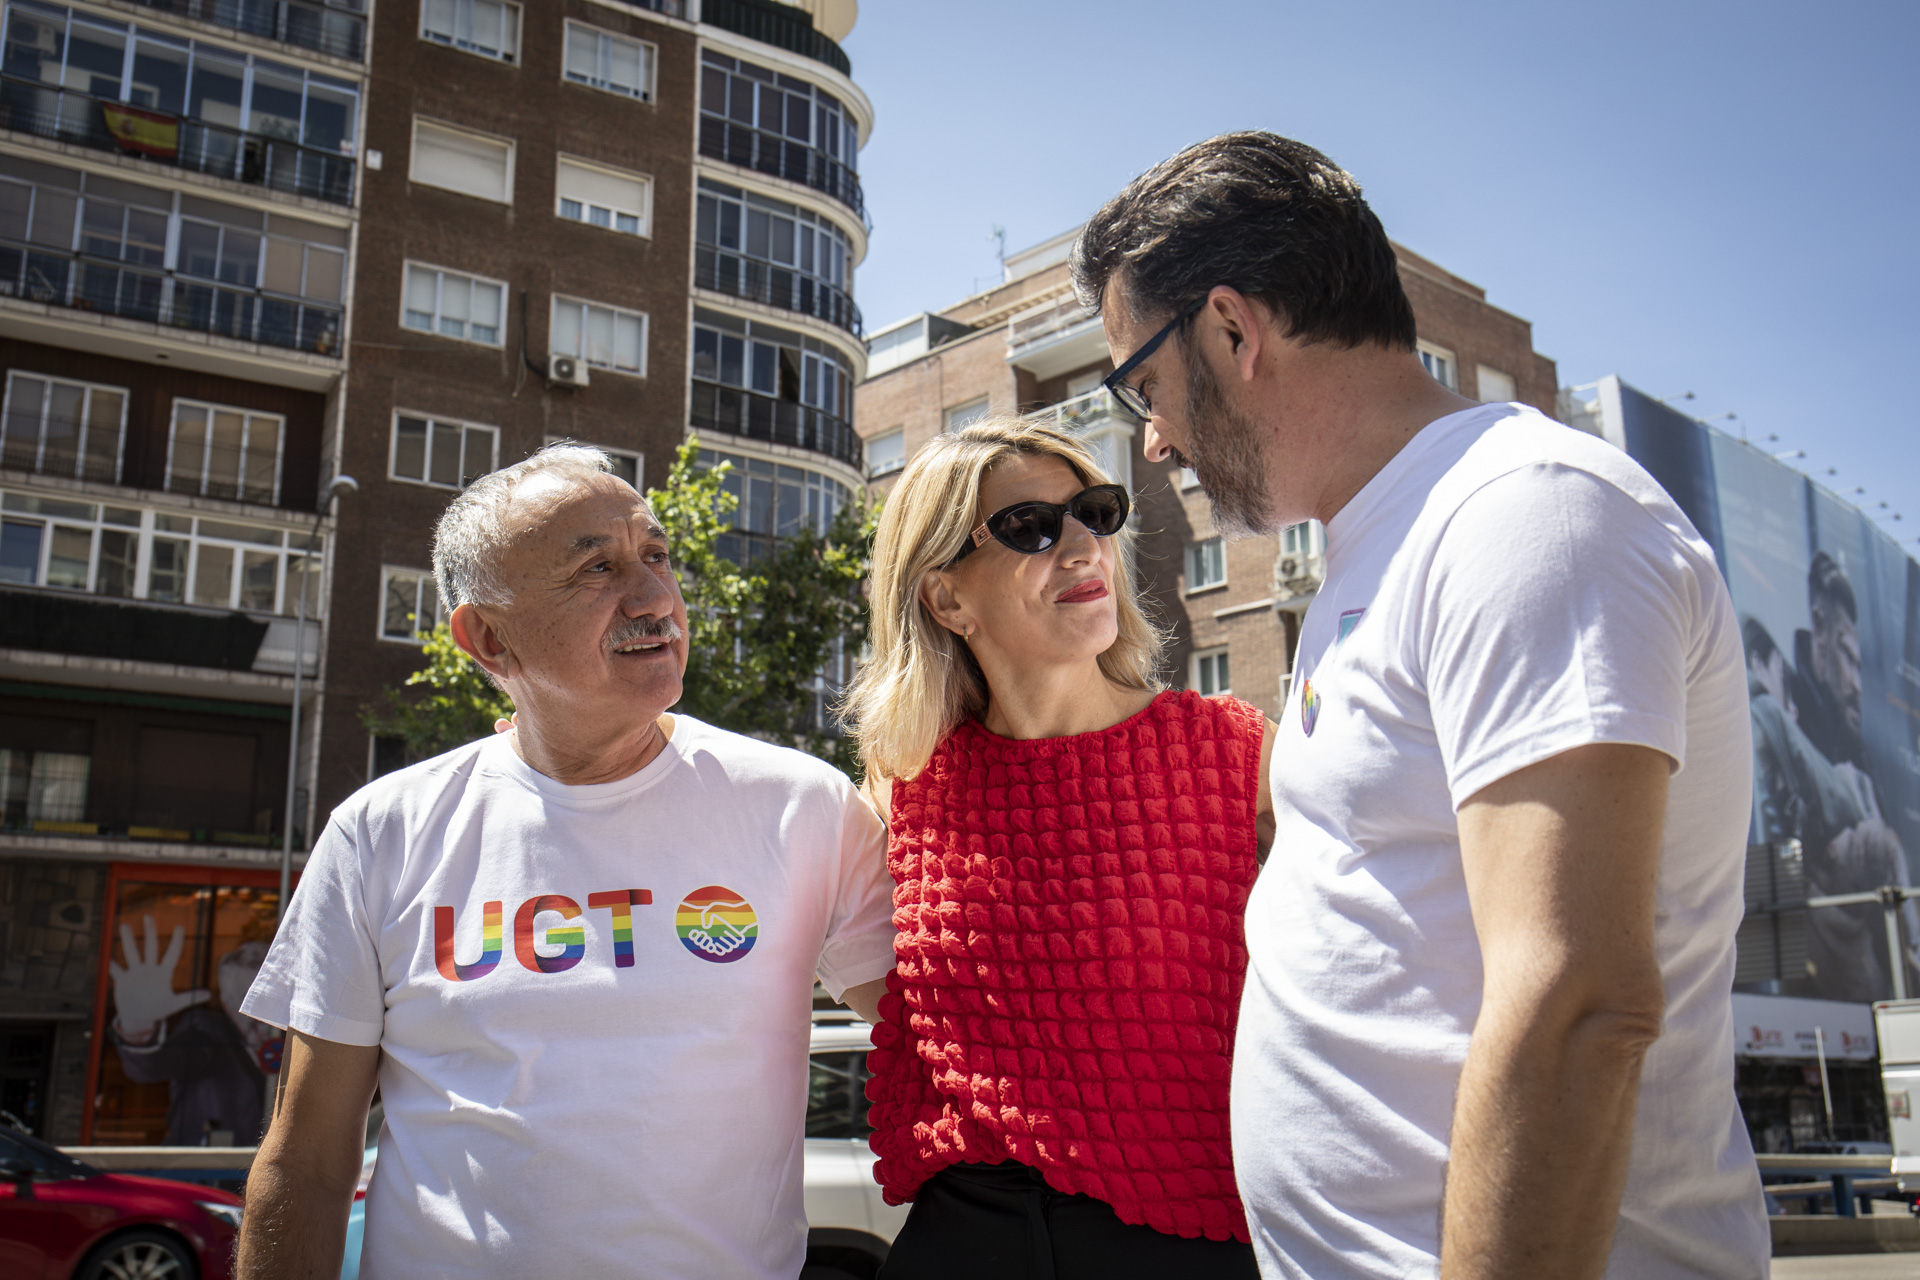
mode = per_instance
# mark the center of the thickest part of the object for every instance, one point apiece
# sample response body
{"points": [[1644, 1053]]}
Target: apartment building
{"points": [[1026, 346], [594, 220], [180, 184]]}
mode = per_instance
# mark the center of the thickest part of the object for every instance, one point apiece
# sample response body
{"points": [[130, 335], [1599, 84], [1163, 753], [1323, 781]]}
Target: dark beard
{"points": [[1228, 454]]}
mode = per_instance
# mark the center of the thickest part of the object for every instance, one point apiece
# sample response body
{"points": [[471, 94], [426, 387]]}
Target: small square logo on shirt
{"points": [[1348, 621]]}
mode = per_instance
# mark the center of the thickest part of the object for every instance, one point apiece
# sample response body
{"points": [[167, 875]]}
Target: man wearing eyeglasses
{"points": [[1486, 1029]]}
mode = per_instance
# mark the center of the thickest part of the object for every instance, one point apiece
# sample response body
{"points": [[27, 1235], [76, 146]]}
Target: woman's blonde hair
{"points": [[921, 680]]}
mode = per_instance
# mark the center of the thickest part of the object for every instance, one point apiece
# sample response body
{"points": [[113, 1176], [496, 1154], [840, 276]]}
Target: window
{"points": [[385, 756], [762, 119], [887, 452], [776, 501], [39, 787], [145, 554], [485, 27], [1495, 386], [603, 197], [1210, 673], [773, 252], [474, 164], [1189, 479], [1439, 363], [629, 466], [792, 388], [409, 603], [1206, 564], [1305, 539], [222, 452], [453, 305], [604, 337], [451, 455], [59, 428], [602, 60], [962, 416]]}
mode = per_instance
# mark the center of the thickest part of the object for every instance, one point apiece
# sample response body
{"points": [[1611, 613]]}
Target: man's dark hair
{"points": [[1260, 213], [1758, 640], [1827, 583]]}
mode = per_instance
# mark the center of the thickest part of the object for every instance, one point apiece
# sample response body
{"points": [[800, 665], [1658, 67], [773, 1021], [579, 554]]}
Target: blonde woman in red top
{"points": [[1072, 846]]}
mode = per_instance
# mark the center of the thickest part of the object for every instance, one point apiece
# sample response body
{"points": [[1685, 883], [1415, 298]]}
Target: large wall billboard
{"points": [[1830, 614]]}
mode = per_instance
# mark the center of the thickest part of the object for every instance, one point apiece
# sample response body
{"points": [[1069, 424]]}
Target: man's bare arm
{"points": [[865, 999], [301, 1186], [1561, 861]]}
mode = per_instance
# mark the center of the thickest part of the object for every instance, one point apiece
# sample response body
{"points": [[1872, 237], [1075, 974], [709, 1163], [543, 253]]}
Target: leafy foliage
{"points": [[760, 633]]}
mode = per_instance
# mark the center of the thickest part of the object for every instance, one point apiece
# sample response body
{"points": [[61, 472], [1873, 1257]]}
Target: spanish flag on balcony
{"points": [[145, 132]]}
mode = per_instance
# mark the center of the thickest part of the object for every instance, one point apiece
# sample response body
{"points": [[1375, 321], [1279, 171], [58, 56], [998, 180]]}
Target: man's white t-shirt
{"points": [[1503, 590], [592, 1002]]}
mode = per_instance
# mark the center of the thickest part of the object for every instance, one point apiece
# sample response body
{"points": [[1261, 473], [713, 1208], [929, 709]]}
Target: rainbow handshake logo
{"points": [[716, 924]]}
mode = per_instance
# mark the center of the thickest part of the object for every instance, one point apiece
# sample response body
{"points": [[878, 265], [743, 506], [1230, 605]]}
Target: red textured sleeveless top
{"points": [[1071, 956]]}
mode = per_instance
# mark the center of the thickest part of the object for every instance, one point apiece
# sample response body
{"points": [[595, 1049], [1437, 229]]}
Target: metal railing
{"points": [[776, 286], [48, 111], [82, 283], [322, 28], [1047, 320], [779, 25], [1082, 411], [757, 417], [672, 8], [764, 152]]}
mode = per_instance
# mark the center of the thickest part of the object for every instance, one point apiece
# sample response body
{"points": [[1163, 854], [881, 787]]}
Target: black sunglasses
{"points": [[1032, 527], [1116, 382]]}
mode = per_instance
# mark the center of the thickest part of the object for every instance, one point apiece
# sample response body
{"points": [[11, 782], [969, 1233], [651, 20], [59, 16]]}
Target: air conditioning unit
{"points": [[1289, 569], [565, 371]]}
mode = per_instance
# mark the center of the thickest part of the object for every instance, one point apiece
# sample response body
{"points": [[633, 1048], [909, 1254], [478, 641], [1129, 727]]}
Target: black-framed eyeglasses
{"points": [[1033, 527], [1116, 382]]}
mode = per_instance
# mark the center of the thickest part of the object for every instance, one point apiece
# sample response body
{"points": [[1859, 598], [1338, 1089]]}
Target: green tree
{"points": [[759, 634]]}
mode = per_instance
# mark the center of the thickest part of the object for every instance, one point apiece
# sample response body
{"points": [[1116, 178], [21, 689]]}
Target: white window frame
{"points": [[586, 306], [1480, 372], [206, 448], [413, 157], [86, 413], [1309, 538], [649, 61], [965, 414], [453, 41], [439, 296], [1189, 479], [873, 471], [1196, 556], [1206, 657], [639, 459], [1439, 362], [387, 573], [426, 458], [644, 214]]}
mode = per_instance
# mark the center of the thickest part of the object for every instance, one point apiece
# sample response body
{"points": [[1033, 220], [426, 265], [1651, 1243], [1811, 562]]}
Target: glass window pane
{"points": [[214, 94], [624, 67], [455, 294], [69, 557], [26, 401], [397, 612], [104, 412], [167, 571], [629, 338], [213, 575], [326, 269], [277, 92], [53, 215], [303, 577], [582, 52], [600, 337], [20, 552], [239, 257], [444, 458], [421, 287], [259, 581], [330, 114], [223, 459], [284, 261], [566, 328], [60, 448], [485, 304], [765, 368], [159, 77], [57, 787], [429, 613], [263, 456], [732, 355], [477, 459], [119, 549], [410, 448], [96, 59]]}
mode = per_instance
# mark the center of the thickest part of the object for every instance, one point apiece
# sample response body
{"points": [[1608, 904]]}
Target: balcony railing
{"points": [[82, 283], [1082, 412], [1048, 320], [779, 25], [764, 152], [322, 28], [756, 417], [672, 8], [776, 286], [102, 124]]}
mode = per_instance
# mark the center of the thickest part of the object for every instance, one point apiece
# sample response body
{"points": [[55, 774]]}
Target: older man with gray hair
{"points": [[624, 1093]]}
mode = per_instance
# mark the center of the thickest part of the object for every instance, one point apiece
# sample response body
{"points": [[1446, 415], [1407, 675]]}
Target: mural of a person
{"points": [[214, 1059]]}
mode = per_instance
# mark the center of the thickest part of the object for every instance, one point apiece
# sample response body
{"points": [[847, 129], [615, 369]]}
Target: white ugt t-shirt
{"points": [[593, 1002], [1505, 589]]}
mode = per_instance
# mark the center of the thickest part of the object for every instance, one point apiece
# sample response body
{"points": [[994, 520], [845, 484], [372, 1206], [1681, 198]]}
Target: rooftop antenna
{"points": [[999, 237]]}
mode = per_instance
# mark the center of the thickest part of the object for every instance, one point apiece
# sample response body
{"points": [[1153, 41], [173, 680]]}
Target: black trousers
{"points": [[1003, 1222]]}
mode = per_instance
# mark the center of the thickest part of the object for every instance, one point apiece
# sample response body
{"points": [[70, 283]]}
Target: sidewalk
{"points": [[1858, 1266]]}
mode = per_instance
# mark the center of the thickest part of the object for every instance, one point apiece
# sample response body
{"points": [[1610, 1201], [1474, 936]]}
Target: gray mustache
{"points": [[662, 628]]}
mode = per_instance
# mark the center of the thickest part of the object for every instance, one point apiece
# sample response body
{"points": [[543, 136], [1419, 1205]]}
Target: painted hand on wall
{"points": [[143, 994]]}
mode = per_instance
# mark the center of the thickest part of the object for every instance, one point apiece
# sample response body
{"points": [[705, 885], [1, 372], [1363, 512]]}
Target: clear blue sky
{"points": [[1717, 198]]}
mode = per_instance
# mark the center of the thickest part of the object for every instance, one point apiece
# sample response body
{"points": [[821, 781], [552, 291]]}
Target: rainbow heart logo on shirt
{"points": [[1309, 705], [716, 924]]}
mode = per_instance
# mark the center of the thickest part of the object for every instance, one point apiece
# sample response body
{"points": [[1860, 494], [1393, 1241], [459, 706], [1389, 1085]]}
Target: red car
{"points": [[62, 1219]]}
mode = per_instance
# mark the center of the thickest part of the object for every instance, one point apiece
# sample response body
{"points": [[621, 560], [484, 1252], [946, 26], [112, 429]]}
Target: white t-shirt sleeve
{"points": [[1558, 613], [859, 937], [322, 975]]}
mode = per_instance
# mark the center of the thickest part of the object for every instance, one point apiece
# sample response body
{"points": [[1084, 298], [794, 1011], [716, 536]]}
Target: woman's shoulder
{"points": [[1229, 715]]}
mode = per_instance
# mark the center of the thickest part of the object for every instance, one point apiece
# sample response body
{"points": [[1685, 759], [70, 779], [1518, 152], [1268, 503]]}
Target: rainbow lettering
{"points": [[717, 924], [622, 901], [574, 938], [489, 944]]}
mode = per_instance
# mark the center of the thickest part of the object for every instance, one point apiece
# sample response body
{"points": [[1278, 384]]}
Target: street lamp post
{"points": [[341, 486]]}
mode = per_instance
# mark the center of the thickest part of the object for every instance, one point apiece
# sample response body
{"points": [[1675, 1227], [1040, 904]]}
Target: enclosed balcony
{"points": [[775, 253], [335, 27], [1103, 423], [772, 123], [780, 25], [1055, 337], [760, 381]]}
